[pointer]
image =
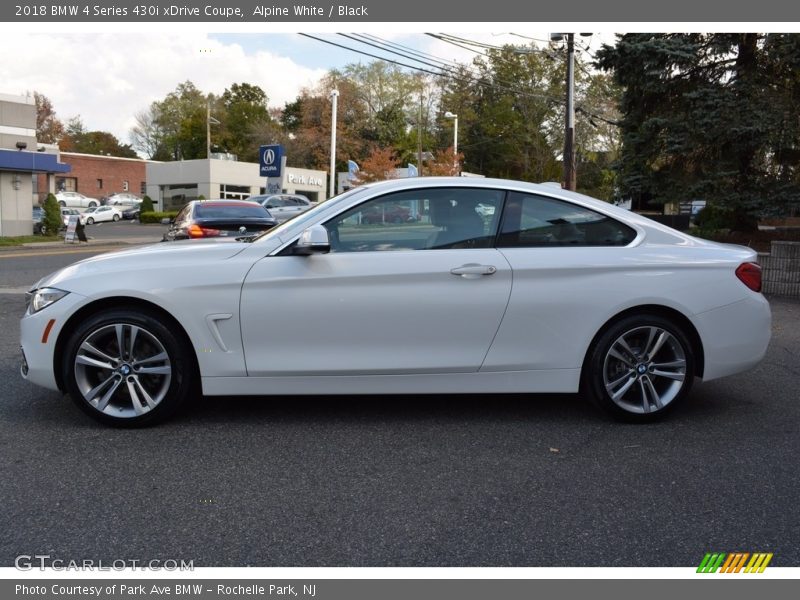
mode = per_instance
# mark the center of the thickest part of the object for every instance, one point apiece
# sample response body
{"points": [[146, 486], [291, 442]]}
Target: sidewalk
{"points": [[94, 242]]}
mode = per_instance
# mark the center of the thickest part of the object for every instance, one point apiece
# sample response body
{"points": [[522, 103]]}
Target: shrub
{"points": [[147, 204], [714, 217], [51, 221], [156, 217]]}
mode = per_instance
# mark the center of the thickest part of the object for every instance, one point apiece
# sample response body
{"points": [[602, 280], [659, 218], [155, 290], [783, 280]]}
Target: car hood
{"points": [[191, 254]]}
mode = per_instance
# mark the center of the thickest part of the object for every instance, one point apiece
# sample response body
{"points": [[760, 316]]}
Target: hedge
{"points": [[155, 217]]}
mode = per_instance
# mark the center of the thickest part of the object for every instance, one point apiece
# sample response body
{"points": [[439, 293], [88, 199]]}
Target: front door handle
{"points": [[473, 270]]}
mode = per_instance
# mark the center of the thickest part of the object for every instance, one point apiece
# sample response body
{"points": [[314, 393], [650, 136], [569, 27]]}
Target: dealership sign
{"points": [[270, 160]]}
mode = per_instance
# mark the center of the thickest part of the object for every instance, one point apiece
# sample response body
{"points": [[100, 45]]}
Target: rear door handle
{"points": [[473, 270]]}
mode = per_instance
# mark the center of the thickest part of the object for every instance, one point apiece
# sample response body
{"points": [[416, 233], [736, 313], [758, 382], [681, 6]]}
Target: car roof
{"points": [[222, 202]]}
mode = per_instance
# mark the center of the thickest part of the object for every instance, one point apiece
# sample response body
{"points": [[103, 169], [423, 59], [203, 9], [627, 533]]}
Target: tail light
{"points": [[195, 231], [750, 275]]}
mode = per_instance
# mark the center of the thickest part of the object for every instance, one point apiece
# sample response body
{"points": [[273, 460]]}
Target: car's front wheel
{"points": [[92, 204], [90, 221], [127, 368], [116, 218], [640, 368]]}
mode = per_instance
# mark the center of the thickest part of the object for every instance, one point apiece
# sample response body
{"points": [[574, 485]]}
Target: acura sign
{"points": [[270, 160]]}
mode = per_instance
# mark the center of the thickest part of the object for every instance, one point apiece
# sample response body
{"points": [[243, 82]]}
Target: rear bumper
{"points": [[735, 337]]}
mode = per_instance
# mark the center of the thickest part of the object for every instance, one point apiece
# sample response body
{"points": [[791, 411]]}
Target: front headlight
{"points": [[44, 297]]}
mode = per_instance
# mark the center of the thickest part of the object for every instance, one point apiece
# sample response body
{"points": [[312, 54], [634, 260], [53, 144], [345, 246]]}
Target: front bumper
{"points": [[38, 349]]}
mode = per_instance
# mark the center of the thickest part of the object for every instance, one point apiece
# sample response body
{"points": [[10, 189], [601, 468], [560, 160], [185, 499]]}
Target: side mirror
{"points": [[314, 240]]}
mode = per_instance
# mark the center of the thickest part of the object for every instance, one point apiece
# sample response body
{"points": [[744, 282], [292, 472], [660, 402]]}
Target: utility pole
{"points": [[419, 132], [569, 125], [569, 132]]}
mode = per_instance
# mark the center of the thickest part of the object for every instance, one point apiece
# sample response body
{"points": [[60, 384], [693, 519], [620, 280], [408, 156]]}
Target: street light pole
{"points": [[449, 115], [209, 122], [332, 190]]}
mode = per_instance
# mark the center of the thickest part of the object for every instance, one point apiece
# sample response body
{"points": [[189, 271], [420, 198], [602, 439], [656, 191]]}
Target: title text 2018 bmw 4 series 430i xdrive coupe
{"points": [[495, 286]]}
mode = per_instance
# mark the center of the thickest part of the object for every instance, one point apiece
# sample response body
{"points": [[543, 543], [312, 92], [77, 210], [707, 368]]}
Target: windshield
{"points": [[310, 214]]}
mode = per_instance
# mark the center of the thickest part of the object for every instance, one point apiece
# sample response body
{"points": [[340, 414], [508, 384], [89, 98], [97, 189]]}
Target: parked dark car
{"points": [[132, 213], [38, 216], [219, 218]]}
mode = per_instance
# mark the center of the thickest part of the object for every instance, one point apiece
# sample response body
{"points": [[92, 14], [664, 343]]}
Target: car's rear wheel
{"points": [[127, 368], [62, 203], [116, 218], [92, 204], [640, 368]]}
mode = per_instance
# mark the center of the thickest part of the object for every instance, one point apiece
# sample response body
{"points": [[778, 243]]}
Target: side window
{"points": [[274, 203], [530, 220], [182, 214], [436, 218]]}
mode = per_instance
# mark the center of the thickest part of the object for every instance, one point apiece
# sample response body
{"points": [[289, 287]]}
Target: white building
{"points": [[21, 160], [172, 184]]}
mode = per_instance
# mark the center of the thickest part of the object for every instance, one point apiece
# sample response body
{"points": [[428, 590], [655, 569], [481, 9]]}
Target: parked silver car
{"points": [[76, 199], [283, 206]]}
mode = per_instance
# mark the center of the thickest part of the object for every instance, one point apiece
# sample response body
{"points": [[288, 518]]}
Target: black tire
{"points": [[137, 399], [92, 204], [90, 221], [61, 203], [640, 386], [116, 218]]}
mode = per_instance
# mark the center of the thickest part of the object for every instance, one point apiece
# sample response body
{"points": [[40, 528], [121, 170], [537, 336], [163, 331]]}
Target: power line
{"points": [[370, 55], [424, 62], [450, 74]]}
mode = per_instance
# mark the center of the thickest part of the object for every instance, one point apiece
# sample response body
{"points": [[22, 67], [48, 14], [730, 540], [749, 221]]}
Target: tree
{"points": [[379, 165], [180, 119], [710, 116], [444, 163], [51, 221], [147, 136], [507, 107], [49, 128], [77, 138], [244, 110]]}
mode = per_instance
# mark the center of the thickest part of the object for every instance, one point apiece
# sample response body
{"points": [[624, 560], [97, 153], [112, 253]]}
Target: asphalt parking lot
{"points": [[406, 481]]}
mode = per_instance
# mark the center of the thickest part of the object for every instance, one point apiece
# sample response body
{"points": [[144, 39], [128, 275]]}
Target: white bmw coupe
{"points": [[495, 286]]}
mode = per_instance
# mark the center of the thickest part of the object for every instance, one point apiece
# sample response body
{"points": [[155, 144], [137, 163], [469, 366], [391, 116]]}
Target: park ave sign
{"points": [[303, 180]]}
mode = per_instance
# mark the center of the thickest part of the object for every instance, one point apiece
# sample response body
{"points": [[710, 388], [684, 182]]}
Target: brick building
{"points": [[97, 176]]}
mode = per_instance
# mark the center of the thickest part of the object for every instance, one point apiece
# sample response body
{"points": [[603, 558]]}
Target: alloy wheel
{"points": [[644, 369], [122, 370]]}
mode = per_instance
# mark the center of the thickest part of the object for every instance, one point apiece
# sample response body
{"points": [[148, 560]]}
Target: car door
{"points": [[385, 300]]}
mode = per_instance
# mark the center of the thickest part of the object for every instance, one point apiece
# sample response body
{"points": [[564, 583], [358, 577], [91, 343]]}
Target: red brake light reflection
{"points": [[750, 275]]}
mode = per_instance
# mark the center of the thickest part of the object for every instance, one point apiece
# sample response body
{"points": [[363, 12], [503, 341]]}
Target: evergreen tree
{"points": [[712, 117]]}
